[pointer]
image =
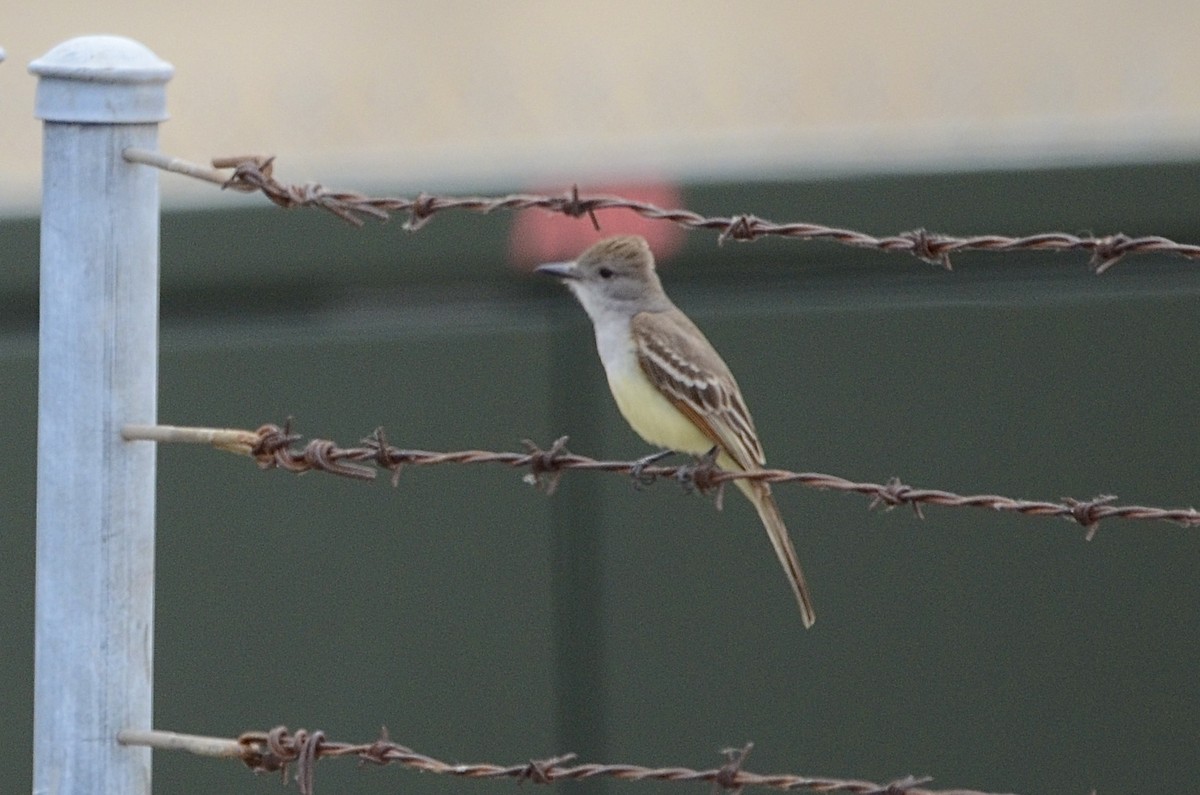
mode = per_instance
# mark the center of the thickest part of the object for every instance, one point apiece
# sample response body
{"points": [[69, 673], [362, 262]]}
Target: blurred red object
{"points": [[540, 236]]}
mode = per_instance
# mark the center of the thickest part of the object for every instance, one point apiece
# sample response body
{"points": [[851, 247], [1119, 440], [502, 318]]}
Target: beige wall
{"points": [[473, 94]]}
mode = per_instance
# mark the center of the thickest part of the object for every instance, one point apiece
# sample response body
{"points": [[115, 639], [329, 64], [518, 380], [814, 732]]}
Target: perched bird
{"points": [[669, 382]]}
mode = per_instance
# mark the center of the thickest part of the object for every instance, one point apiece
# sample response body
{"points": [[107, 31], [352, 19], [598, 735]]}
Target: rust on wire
{"points": [[279, 448], [280, 751], [256, 173]]}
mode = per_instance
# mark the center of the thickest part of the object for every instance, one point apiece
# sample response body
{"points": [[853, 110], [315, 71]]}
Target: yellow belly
{"points": [[653, 417]]}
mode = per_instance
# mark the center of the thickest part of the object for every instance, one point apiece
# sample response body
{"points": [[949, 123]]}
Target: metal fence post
{"points": [[98, 370]]}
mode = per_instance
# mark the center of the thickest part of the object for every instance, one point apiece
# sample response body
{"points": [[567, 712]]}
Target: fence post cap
{"points": [[101, 80]]}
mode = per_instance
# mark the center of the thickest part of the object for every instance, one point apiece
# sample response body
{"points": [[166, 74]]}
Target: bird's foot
{"points": [[637, 472], [698, 476]]}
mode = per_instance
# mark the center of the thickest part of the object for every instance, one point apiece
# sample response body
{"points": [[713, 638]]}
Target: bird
{"points": [[668, 381]]}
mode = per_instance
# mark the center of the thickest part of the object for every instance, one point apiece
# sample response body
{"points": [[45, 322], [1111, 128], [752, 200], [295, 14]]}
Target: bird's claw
{"points": [[638, 471], [698, 476]]}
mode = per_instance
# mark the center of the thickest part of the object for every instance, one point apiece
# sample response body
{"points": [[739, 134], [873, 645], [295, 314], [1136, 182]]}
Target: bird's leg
{"points": [[638, 470], [698, 475]]}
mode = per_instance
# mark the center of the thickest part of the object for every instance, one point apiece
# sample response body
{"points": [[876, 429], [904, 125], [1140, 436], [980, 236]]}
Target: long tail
{"points": [[768, 512]]}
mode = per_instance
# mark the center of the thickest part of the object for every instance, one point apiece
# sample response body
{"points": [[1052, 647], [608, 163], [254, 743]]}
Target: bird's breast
{"points": [[651, 415]]}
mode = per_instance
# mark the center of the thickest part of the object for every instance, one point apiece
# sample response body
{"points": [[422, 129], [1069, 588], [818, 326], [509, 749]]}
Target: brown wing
{"points": [[680, 361]]}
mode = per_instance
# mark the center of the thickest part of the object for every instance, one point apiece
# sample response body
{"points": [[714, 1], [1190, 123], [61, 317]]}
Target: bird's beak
{"points": [[559, 270]]}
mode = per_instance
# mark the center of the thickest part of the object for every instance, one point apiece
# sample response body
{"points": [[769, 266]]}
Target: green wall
{"points": [[483, 621]]}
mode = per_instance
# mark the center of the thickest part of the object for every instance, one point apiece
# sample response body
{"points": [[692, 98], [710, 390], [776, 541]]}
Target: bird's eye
{"points": [[605, 273]]}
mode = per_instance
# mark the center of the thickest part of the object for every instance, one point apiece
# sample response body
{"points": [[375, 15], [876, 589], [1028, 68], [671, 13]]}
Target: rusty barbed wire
{"points": [[276, 447], [256, 173], [276, 750]]}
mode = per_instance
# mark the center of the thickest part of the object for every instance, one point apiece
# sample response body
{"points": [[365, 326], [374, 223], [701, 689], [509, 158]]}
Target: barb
{"points": [[274, 447], [255, 173], [273, 751]]}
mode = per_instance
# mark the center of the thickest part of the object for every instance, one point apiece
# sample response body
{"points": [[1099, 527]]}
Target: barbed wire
{"points": [[256, 173], [275, 750], [275, 447]]}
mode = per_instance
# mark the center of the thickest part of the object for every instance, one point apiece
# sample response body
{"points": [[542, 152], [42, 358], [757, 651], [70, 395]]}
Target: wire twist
{"points": [[256, 173], [277, 447], [278, 750]]}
